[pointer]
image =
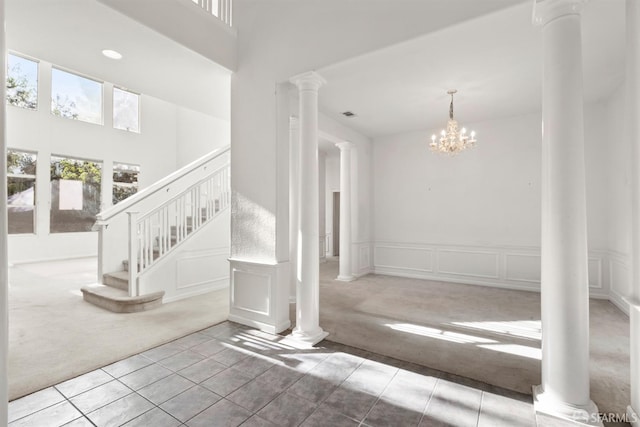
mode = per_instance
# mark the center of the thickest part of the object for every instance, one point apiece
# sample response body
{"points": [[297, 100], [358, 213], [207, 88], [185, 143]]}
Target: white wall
{"points": [[475, 217], [157, 149], [198, 134], [617, 164], [277, 40]]}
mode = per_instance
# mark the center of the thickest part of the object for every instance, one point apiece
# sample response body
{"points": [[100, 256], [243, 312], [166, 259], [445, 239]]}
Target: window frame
{"points": [[100, 163], [35, 186], [28, 58], [83, 76], [113, 109]]}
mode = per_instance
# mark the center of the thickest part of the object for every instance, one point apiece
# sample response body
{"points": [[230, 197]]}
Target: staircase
{"points": [[176, 209]]}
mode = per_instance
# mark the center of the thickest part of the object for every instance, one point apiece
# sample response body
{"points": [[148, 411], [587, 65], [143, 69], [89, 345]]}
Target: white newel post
{"points": [[294, 203], [4, 257], [345, 274], [564, 391], [633, 127], [308, 328], [133, 253]]}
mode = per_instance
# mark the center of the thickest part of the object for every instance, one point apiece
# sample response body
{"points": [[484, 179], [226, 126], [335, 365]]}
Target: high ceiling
{"points": [[73, 33], [494, 61]]}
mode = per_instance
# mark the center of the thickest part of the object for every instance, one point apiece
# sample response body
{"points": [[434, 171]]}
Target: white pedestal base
{"points": [[342, 278], [632, 417], [307, 339], [581, 415]]}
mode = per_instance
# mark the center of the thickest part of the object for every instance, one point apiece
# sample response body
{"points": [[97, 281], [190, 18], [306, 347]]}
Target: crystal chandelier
{"points": [[452, 141]]}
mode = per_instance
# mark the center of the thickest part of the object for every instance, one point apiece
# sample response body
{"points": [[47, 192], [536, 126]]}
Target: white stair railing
{"points": [[141, 228], [219, 8], [156, 233]]}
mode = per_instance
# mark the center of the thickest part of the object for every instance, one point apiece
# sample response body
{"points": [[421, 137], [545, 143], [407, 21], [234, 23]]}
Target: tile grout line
{"points": [[379, 397], [339, 385], [426, 406], [482, 393]]}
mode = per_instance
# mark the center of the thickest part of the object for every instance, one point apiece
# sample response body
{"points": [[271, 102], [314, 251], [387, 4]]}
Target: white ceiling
{"points": [[494, 61], [72, 34]]}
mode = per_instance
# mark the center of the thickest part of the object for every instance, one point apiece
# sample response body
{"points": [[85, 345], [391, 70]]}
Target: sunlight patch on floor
{"points": [[440, 334], [529, 329]]}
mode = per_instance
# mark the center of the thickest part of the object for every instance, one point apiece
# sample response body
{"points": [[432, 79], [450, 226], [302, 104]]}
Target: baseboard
{"points": [[461, 280], [66, 258]]}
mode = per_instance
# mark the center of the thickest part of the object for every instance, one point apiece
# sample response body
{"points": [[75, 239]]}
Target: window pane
{"points": [[75, 97], [22, 82], [75, 194], [125, 181], [125, 110], [21, 186]]}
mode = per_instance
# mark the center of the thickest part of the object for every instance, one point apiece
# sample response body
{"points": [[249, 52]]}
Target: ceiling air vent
{"points": [[349, 114]]}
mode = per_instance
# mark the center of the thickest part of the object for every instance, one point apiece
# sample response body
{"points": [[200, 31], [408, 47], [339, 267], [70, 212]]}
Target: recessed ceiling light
{"points": [[112, 54]]}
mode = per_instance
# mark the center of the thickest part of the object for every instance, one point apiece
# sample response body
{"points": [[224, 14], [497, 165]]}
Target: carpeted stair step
{"points": [[119, 301], [125, 263], [117, 279]]}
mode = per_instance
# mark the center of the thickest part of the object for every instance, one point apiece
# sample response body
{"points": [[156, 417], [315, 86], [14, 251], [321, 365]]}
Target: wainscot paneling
{"points": [[260, 295]]}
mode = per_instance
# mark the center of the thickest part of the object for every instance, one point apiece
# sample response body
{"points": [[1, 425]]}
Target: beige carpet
{"points": [[54, 335], [488, 334]]}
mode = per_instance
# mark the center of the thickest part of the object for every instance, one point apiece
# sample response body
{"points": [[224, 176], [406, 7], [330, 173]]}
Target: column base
{"points": [[632, 417], [308, 339], [581, 415], [349, 278]]}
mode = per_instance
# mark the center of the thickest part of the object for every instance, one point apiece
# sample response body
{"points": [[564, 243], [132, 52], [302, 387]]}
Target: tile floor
{"points": [[230, 375]]}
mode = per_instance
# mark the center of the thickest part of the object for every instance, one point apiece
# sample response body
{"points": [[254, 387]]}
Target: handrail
{"points": [[157, 232], [121, 207]]}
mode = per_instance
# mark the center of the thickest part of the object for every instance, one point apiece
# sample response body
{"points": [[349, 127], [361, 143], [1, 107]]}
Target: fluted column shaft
{"points": [[565, 389], [307, 294], [345, 212]]}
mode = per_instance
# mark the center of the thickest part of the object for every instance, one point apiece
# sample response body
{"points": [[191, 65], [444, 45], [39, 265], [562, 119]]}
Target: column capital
{"points": [[344, 145], [308, 81], [545, 11]]}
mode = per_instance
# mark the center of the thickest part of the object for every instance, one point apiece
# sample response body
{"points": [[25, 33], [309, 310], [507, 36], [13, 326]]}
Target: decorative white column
{"points": [[4, 258], [322, 206], [308, 328], [345, 274], [564, 391], [633, 129], [294, 202]]}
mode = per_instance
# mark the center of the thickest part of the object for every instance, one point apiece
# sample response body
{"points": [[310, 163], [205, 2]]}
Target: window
{"points": [[125, 181], [75, 97], [75, 194], [21, 188], [126, 114], [22, 82]]}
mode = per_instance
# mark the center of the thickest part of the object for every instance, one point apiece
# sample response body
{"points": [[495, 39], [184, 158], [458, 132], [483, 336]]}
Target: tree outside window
{"points": [[75, 97], [21, 188], [125, 181], [75, 194], [22, 82]]}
